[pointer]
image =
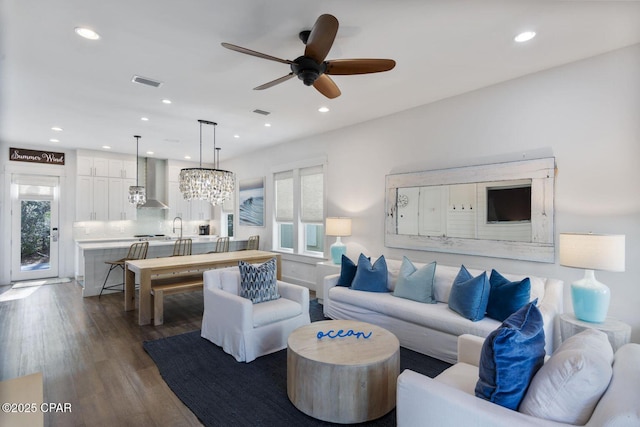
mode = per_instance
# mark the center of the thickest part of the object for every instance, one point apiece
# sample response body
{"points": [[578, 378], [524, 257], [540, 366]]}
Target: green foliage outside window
{"points": [[36, 223]]}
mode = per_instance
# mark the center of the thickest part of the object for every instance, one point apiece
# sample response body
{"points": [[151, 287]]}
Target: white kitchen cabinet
{"points": [[92, 198], [129, 169], [194, 210], [119, 168], [178, 206], [201, 210], [119, 207], [92, 166], [173, 174]]}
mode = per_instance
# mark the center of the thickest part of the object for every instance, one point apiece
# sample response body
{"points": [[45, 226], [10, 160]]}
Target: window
{"points": [[299, 210]]}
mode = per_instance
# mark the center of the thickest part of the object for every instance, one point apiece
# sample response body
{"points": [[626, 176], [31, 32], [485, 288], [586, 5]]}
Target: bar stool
{"points": [[182, 247], [222, 245], [136, 251], [253, 243]]}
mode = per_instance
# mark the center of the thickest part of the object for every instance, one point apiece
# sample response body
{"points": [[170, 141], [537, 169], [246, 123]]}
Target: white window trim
{"points": [[298, 237]]}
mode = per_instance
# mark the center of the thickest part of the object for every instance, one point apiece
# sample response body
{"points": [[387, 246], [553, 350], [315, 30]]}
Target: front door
{"points": [[34, 227]]}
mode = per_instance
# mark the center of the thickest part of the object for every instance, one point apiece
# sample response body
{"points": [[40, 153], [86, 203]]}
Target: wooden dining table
{"points": [[144, 270]]}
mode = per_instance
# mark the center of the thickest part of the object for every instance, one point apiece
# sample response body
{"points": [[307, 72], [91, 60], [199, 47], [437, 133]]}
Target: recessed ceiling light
{"points": [[144, 119], [187, 157], [267, 125], [166, 101], [323, 109], [87, 33], [525, 36], [149, 152], [57, 129], [236, 136], [106, 147], [54, 140]]}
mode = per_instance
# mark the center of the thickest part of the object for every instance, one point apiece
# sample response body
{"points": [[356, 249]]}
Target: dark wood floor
{"points": [[90, 354]]}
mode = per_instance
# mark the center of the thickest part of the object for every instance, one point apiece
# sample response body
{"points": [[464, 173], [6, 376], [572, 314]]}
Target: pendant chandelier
{"points": [[137, 193], [214, 185]]}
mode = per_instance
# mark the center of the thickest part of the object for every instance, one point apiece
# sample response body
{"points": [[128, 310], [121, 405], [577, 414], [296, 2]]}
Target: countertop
{"points": [[113, 243]]}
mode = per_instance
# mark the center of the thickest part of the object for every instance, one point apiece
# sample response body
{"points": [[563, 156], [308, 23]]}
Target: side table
{"points": [[343, 377], [619, 333], [324, 268]]}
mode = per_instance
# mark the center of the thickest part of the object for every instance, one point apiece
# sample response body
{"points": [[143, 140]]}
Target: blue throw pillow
{"points": [[469, 295], [505, 297], [372, 278], [347, 272], [258, 282], [511, 356], [415, 284]]}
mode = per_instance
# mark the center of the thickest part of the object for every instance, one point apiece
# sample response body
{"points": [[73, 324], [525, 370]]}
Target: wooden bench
{"points": [[169, 285]]}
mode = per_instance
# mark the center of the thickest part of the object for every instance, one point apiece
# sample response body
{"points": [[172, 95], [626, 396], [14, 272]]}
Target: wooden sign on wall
{"points": [[36, 156]]}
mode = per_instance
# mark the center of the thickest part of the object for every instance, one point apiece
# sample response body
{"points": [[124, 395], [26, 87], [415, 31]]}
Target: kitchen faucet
{"points": [[174, 225]]}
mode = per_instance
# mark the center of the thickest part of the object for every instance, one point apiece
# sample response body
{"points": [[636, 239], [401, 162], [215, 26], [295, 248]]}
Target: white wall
{"points": [[586, 114]]}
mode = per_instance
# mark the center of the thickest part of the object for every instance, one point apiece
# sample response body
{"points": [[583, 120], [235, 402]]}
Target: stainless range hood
{"points": [[155, 178]]}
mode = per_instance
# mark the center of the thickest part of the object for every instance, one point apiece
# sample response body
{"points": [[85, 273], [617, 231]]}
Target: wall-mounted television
{"points": [[509, 204]]}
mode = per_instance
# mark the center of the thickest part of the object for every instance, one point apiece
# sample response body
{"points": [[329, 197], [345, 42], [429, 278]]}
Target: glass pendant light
{"points": [[214, 185], [137, 193]]}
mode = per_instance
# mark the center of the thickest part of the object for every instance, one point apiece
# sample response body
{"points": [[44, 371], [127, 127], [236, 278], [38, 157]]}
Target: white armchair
{"points": [[449, 399], [246, 330]]}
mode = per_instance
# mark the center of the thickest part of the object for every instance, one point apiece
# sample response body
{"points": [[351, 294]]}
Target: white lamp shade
{"points": [[338, 226], [593, 251]]}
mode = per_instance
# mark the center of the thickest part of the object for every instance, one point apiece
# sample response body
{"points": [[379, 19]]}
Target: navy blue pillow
{"points": [[372, 278], [511, 356], [469, 295], [347, 272], [505, 297]]}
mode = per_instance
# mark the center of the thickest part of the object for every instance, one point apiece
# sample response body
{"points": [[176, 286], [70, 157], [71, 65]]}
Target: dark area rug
{"points": [[223, 392]]}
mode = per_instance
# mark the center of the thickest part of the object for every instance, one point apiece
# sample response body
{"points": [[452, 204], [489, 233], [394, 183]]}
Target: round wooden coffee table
{"points": [[346, 379]]}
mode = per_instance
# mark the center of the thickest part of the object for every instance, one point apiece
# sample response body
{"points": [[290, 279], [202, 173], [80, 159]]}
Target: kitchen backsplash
{"points": [[149, 221]]}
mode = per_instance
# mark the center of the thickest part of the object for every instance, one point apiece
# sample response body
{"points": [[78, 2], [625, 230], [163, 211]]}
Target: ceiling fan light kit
{"points": [[311, 67]]}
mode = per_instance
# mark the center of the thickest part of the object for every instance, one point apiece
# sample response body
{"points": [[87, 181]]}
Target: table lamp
{"points": [[338, 226], [591, 252]]}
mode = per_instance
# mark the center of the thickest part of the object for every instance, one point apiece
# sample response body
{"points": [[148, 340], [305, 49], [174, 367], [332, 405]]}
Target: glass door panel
{"points": [[35, 235], [34, 227]]}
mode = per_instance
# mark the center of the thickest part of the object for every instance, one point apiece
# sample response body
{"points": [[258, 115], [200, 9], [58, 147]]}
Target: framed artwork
{"points": [[251, 202]]}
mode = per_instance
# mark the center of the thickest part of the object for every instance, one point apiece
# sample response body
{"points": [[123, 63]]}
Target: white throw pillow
{"points": [[569, 385]]}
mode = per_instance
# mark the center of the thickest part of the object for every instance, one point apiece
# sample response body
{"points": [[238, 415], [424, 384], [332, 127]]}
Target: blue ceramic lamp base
{"points": [[337, 250], [590, 298]]}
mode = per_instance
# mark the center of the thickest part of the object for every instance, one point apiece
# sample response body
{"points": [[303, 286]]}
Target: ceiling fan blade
{"points": [[358, 66], [327, 87], [321, 37], [254, 53], [274, 82]]}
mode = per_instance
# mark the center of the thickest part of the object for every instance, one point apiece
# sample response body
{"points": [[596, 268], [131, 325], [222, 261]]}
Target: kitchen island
{"points": [[90, 256]]}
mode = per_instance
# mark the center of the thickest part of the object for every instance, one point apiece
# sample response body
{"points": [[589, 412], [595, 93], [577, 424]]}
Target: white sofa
{"points": [[433, 329], [246, 330], [449, 399]]}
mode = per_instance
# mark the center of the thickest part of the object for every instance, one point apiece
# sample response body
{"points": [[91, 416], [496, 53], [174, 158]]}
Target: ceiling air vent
{"points": [[146, 81], [264, 113]]}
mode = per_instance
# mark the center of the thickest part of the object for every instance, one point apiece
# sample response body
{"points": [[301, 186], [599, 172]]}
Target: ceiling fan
{"points": [[312, 68]]}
